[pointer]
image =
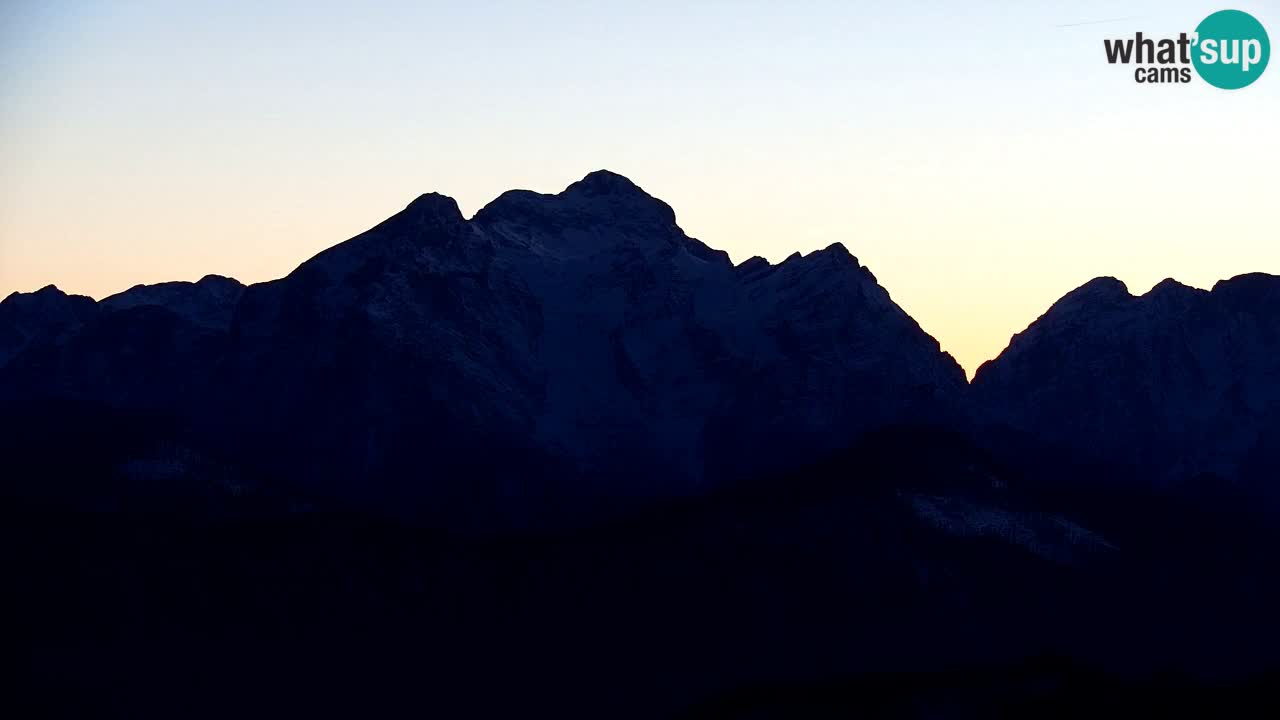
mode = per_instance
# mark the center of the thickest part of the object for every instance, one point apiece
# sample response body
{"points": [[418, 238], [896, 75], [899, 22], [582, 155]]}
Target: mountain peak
{"points": [[1169, 284], [600, 198], [615, 197], [221, 280], [833, 257], [45, 295], [839, 254], [1169, 288], [1106, 286], [1098, 293], [1248, 281], [1255, 293], [208, 302], [753, 264], [26, 316], [433, 209], [602, 182]]}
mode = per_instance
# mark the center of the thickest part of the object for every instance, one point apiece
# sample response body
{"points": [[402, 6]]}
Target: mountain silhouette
{"points": [[563, 450], [554, 347], [580, 349], [1169, 386], [27, 318]]}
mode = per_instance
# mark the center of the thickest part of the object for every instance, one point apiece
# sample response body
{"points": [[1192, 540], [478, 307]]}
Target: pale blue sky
{"points": [[979, 157]]}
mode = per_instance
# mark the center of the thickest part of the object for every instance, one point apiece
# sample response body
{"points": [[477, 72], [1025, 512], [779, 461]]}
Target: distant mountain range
{"points": [[580, 346], [561, 459]]}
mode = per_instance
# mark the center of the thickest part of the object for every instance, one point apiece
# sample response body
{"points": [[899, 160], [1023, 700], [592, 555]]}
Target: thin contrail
{"points": [[1099, 22]]}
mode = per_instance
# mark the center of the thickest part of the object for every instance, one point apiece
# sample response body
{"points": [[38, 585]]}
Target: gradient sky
{"points": [[982, 158]]}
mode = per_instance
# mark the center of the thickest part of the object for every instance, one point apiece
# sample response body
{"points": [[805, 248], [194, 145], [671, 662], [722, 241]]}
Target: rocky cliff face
{"points": [[552, 348], [1170, 385], [847, 359]]}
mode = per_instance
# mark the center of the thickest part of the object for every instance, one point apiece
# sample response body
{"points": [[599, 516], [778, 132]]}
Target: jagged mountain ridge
{"points": [[209, 301], [29, 317], [579, 342], [565, 353], [1170, 385]]}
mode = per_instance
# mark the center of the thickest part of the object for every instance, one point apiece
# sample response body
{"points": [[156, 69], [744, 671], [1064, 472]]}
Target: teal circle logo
{"points": [[1232, 49]]}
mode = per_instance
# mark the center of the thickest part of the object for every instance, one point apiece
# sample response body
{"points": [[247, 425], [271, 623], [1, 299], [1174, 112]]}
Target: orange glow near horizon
{"points": [[977, 187]]}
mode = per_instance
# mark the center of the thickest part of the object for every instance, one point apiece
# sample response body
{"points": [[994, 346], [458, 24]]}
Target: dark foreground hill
{"points": [[907, 572]]}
